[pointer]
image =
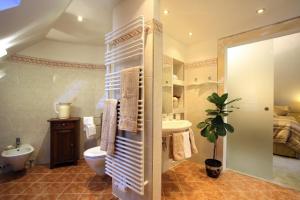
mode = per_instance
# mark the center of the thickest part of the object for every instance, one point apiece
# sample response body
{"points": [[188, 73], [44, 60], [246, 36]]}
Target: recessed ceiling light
{"points": [[79, 18], [190, 34], [3, 52], [260, 11], [166, 12]]}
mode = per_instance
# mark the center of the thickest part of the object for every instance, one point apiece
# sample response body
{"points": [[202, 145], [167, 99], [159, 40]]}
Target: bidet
{"points": [[17, 157]]}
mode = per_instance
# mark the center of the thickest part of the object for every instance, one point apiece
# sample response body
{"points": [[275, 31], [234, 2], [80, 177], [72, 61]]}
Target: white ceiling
{"points": [[29, 22], [213, 19], [34, 20], [97, 20]]}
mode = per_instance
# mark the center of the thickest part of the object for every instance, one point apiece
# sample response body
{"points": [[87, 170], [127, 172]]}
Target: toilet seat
{"points": [[94, 152]]}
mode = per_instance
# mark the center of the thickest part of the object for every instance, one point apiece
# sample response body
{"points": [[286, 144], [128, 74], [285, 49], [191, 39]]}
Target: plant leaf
{"points": [[204, 132], [212, 137], [201, 125], [224, 97], [211, 110], [224, 114], [209, 119], [237, 99], [229, 128], [217, 121], [221, 130]]}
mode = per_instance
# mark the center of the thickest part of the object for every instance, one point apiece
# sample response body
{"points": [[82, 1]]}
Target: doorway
{"points": [[255, 72]]}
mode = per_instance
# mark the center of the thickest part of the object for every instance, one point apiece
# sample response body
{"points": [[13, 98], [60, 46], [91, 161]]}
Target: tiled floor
{"points": [[188, 181], [71, 183]]}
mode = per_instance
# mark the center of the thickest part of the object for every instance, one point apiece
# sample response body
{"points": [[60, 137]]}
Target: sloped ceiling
{"points": [[97, 20], [29, 22], [34, 20], [211, 20]]}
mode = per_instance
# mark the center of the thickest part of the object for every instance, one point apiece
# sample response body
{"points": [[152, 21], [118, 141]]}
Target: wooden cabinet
{"points": [[64, 141]]}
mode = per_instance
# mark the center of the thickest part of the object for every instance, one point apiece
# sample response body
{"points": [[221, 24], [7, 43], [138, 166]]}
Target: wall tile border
{"points": [[203, 63], [16, 58], [153, 26]]}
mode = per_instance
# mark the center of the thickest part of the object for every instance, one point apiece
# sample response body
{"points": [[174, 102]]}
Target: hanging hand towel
{"points": [[89, 127], [90, 130], [178, 146], [129, 99], [193, 143], [109, 126], [187, 144]]}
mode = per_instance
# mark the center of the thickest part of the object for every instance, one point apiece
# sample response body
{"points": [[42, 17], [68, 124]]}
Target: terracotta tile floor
{"points": [[71, 183], [188, 181]]}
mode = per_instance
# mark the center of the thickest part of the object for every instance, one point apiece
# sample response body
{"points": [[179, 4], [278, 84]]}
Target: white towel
{"points": [[109, 126], [187, 145], [129, 99], [89, 127]]}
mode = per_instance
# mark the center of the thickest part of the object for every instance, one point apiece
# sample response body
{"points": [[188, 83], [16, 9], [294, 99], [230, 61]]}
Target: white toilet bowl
{"points": [[95, 158], [17, 157]]}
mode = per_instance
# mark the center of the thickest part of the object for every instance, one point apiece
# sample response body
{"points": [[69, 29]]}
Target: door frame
{"points": [[279, 29]]}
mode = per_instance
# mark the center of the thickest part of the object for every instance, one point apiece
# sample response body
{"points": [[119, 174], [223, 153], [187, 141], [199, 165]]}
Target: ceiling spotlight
{"points": [[3, 52], [190, 34], [260, 11], [166, 12], [79, 18]]}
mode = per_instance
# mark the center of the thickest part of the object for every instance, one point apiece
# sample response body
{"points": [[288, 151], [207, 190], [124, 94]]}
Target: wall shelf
{"points": [[204, 83], [178, 82], [173, 86]]}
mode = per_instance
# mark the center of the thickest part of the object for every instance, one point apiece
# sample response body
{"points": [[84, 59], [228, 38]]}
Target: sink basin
{"points": [[175, 125]]}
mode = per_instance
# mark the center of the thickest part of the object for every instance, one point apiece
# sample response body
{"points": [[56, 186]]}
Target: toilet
{"points": [[95, 158]]}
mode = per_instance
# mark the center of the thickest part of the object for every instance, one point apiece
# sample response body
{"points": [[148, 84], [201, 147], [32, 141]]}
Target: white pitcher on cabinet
{"points": [[63, 110]]}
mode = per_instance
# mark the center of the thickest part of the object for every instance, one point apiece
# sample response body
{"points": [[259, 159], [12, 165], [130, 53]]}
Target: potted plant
{"points": [[214, 126]]}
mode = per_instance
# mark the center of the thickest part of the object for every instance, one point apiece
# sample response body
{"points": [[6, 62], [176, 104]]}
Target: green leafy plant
{"points": [[214, 126]]}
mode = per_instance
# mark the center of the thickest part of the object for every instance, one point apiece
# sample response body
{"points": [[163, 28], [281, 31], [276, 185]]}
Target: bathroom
{"points": [[54, 85], [61, 56]]}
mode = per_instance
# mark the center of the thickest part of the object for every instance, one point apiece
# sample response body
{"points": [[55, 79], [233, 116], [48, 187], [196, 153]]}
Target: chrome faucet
{"points": [[18, 142]]}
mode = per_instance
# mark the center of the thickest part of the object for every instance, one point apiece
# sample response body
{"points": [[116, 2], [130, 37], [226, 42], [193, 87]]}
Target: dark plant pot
{"points": [[213, 168]]}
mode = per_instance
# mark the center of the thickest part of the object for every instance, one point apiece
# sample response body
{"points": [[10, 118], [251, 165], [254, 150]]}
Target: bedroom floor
{"points": [[188, 181], [286, 171]]}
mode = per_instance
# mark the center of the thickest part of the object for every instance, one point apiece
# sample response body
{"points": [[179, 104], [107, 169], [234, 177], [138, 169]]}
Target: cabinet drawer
{"points": [[63, 125]]}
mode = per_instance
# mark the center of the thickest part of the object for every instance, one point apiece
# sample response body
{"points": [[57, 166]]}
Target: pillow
{"points": [[281, 110]]}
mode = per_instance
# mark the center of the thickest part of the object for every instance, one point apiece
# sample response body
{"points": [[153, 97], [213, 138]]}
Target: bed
{"points": [[286, 136]]}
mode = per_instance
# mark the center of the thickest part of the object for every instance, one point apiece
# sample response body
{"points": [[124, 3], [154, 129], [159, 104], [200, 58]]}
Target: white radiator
{"points": [[126, 166]]}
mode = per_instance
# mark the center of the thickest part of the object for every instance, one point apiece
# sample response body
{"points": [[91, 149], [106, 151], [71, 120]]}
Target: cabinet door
{"points": [[63, 146]]}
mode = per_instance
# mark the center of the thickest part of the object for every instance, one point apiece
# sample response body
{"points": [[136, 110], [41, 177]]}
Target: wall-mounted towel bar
{"points": [[126, 44]]}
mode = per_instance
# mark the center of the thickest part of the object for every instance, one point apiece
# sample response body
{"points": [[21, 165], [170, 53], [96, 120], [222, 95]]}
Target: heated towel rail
{"points": [[123, 46]]}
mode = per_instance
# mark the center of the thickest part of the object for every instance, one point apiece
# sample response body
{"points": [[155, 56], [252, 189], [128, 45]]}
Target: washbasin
{"points": [[175, 125]]}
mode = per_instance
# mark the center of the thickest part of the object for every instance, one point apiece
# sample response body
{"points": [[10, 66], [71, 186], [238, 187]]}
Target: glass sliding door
{"points": [[250, 76]]}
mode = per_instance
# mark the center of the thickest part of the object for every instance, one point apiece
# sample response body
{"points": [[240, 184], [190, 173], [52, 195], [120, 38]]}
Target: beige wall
{"points": [[63, 51], [287, 70], [29, 91], [196, 104], [127, 10], [174, 48], [196, 95], [202, 51]]}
